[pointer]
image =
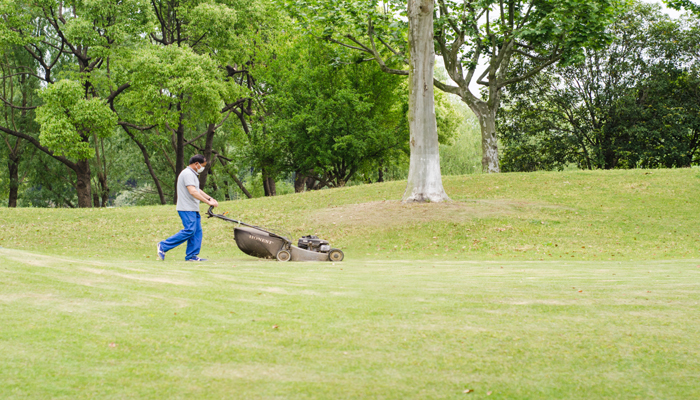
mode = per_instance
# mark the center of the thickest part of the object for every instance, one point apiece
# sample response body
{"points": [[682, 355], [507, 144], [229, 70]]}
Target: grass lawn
{"points": [[545, 285]]}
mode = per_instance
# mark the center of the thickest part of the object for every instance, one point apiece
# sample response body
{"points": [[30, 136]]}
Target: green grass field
{"points": [[526, 286]]}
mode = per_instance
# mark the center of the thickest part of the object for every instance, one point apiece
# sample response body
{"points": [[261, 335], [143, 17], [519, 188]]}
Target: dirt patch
{"points": [[392, 213]]}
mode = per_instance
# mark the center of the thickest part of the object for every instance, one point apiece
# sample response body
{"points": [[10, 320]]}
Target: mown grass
{"points": [[432, 300], [584, 215], [376, 329]]}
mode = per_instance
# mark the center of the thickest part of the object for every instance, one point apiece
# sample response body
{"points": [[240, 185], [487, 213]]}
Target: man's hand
{"points": [[201, 196]]}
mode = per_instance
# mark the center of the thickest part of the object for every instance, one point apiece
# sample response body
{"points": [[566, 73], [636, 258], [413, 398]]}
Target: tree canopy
{"points": [[103, 102], [631, 104]]}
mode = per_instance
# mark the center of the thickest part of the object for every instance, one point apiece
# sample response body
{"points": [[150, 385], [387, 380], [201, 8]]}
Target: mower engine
{"points": [[313, 243]]}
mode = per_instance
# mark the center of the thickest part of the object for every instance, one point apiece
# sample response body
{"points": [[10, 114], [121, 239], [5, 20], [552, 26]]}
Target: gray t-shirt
{"points": [[185, 201]]}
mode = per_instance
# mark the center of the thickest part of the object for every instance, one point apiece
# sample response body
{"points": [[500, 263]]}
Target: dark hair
{"points": [[197, 158]]}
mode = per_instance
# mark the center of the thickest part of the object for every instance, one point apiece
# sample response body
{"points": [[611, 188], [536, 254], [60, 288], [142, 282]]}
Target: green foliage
{"points": [[448, 118], [467, 35], [336, 116], [162, 76], [462, 154], [662, 121], [684, 5], [68, 120], [13, 16], [632, 104]]}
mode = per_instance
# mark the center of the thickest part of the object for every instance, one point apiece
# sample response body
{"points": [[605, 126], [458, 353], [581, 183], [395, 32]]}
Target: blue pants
{"points": [[192, 234]]}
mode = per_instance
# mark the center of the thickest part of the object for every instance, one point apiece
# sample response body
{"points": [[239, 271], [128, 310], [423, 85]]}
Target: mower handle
{"points": [[225, 218], [222, 216]]}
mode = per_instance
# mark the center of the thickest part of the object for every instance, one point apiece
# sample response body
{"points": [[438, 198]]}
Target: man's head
{"points": [[198, 162]]}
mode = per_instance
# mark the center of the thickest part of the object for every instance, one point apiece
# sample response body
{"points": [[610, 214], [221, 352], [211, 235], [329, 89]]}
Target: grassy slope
{"points": [[597, 325], [599, 215]]}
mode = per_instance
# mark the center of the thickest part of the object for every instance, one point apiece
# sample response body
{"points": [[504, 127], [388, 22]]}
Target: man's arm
{"points": [[201, 196], [216, 203]]}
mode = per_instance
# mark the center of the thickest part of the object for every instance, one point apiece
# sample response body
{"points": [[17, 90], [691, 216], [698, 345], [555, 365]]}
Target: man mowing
{"points": [[188, 197]]}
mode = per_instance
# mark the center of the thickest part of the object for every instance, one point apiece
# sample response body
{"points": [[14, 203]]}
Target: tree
{"points": [[469, 34], [216, 46], [662, 119], [631, 104], [56, 34], [424, 177], [18, 101], [333, 117]]}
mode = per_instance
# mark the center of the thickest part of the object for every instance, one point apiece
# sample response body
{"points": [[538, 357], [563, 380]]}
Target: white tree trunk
{"points": [[424, 177]]}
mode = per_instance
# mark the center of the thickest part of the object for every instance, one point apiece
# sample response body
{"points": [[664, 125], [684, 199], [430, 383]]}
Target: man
{"points": [[188, 197]]}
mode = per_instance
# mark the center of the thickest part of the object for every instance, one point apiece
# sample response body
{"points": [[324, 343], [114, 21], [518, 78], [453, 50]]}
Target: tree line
{"points": [[632, 104], [103, 101]]}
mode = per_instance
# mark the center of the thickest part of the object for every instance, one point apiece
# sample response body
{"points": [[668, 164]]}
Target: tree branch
{"points": [[529, 74], [70, 164], [130, 125], [116, 93], [17, 107]]}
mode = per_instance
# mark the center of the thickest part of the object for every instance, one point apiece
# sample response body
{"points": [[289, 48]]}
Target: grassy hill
{"points": [[586, 215], [527, 286]]}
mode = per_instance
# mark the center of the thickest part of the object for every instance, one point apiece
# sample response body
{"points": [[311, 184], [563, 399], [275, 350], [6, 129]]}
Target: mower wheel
{"points": [[336, 255], [284, 255]]}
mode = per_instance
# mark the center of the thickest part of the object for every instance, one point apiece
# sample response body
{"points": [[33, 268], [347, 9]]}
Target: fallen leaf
{"points": [[275, 326], [580, 291], [488, 393], [112, 345], [468, 390]]}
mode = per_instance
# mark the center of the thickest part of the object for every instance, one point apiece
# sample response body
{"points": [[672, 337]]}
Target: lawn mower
{"points": [[261, 242]]}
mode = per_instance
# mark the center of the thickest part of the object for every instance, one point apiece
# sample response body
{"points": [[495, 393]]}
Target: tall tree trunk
{"points": [[299, 182], [101, 193], [424, 177], [82, 184], [489, 141], [227, 197], [13, 166], [179, 154], [268, 182], [208, 147], [272, 185], [104, 189], [269, 185]]}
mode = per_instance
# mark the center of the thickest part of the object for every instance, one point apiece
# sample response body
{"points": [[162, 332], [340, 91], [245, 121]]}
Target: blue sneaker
{"points": [[161, 253], [197, 259]]}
